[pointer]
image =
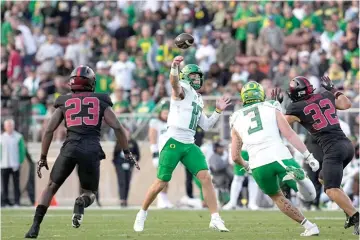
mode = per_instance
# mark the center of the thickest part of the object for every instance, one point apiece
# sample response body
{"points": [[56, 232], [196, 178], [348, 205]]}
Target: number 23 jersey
{"points": [[83, 112], [257, 126], [318, 115]]}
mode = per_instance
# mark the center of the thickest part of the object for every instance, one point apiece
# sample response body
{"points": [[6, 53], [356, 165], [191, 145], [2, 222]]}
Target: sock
{"points": [[307, 224], [39, 214], [253, 191], [306, 189], [215, 215], [356, 201], [236, 186], [87, 201], [142, 211]]}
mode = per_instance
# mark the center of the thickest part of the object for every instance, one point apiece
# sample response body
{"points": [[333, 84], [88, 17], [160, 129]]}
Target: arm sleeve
{"points": [[207, 123], [22, 150]]}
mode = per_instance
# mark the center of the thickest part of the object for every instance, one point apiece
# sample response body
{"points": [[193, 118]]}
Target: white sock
{"points": [[236, 186], [215, 215], [142, 211], [306, 189], [307, 224], [253, 191], [356, 201]]}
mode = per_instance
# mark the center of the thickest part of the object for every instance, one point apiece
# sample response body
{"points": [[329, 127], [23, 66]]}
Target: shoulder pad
{"points": [[233, 117], [59, 101], [274, 104], [185, 85], [105, 98]]}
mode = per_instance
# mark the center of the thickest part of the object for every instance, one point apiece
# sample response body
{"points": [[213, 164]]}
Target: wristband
{"points": [[155, 154], [338, 94], [306, 154], [126, 151], [43, 156], [218, 110], [174, 71]]}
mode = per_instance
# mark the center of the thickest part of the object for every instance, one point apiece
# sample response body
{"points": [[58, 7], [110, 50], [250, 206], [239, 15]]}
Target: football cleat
{"points": [[33, 232], [140, 221], [314, 231], [78, 215], [294, 173], [218, 224]]}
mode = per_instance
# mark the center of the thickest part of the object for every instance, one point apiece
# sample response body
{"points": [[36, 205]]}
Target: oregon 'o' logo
{"points": [[172, 145]]}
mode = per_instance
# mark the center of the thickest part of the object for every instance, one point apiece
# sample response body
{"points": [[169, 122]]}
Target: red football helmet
{"points": [[82, 78], [300, 88]]}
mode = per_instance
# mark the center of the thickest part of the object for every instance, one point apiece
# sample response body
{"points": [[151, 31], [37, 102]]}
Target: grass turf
{"points": [[171, 225]]}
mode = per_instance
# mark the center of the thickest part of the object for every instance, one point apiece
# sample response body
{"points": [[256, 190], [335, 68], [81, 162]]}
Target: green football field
{"points": [[171, 225]]}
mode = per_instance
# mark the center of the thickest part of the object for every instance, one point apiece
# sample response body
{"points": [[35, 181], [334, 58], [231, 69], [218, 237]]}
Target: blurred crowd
{"points": [[130, 45]]}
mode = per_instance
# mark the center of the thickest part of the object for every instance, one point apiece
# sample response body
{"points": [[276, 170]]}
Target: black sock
{"points": [[39, 214], [87, 201]]}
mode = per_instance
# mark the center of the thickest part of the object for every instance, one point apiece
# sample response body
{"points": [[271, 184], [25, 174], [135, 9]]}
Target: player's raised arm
{"points": [[207, 123], [177, 91], [111, 119], [236, 145], [294, 139], [341, 101], [53, 124]]}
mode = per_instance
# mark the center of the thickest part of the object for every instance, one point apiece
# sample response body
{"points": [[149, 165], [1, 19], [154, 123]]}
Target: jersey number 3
{"points": [[322, 119], [76, 104], [255, 119]]}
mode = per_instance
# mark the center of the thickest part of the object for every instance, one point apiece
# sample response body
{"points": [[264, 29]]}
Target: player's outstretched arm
{"points": [[177, 91], [53, 124], [294, 139], [236, 145], [341, 101], [111, 119], [207, 123]]}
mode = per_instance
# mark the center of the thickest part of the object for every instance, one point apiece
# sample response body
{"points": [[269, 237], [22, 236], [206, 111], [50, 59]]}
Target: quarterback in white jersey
{"points": [[258, 125], [177, 144], [157, 127]]}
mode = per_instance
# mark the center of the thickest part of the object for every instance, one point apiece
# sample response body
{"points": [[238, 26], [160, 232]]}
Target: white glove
{"points": [[155, 162], [313, 163], [247, 167]]}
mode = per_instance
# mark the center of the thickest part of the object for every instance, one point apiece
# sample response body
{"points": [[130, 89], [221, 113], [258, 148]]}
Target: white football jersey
{"points": [[184, 115], [257, 126], [160, 127]]}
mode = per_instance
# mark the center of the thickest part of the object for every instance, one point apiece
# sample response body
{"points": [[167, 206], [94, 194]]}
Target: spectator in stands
{"points": [[331, 34], [254, 73], [122, 33], [227, 50], [122, 71], [270, 38], [124, 168], [151, 60], [121, 105], [14, 66], [47, 54], [31, 82], [147, 104], [12, 156], [205, 55]]}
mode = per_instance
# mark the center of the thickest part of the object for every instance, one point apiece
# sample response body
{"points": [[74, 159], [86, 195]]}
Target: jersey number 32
{"points": [[75, 105]]}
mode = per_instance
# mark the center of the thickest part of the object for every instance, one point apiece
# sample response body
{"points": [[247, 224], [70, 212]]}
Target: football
{"points": [[184, 41]]}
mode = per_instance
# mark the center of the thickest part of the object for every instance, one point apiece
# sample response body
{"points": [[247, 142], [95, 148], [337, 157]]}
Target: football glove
{"points": [[328, 84], [40, 164], [277, 95], [130, 158], [313, 163]]}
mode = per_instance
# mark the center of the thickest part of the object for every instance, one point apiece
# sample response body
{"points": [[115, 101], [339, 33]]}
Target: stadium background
{"points": [[41, 42]]}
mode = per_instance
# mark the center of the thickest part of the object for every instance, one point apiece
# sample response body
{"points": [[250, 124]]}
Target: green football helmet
{"points": [[187, 70], [252, 92]]}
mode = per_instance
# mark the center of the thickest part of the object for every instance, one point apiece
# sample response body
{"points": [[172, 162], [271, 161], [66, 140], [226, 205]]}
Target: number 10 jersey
{"points": [[83, 112], [257, 126], [184, 115]]}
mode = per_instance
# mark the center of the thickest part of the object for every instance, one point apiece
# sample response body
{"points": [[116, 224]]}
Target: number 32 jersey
{"points": [[318, 115], [83, 112], [257, 126]]}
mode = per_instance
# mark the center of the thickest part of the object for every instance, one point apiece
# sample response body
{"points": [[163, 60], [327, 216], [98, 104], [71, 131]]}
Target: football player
{"points": [[83, 111], [258, 126], [157, 127], [318, 114], [177, 144]]}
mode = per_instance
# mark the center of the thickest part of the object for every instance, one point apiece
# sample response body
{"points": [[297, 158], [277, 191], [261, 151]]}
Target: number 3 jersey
{"points": [[184, 115], [257, 126], [83, 112], [318, 115]]}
